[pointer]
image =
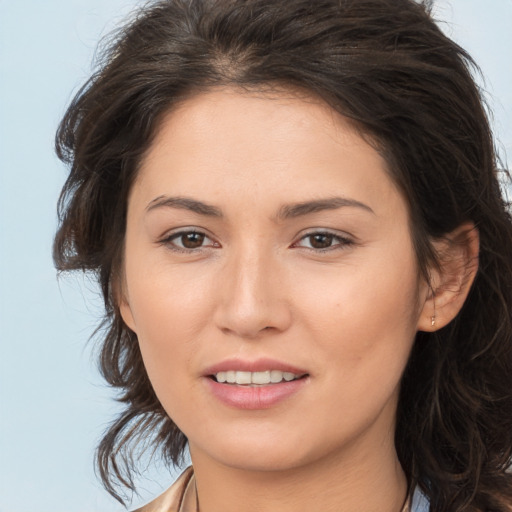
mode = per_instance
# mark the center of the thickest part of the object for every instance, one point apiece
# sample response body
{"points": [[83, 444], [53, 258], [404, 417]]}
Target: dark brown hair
{"points": [[385, 65]]}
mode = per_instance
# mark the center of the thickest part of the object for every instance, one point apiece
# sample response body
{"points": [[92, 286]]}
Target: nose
{"points": [[252, 296]]}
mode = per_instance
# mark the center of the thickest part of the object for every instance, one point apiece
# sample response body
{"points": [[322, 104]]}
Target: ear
{"points": [[121, 297], [451, 282], [126, 314]]}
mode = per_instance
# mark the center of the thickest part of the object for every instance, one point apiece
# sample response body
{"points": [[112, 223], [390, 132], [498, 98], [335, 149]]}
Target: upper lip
{"points": [[257, 365]]}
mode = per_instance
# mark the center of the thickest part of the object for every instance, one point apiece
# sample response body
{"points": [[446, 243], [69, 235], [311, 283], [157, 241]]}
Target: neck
{"points": [[369, 479]]}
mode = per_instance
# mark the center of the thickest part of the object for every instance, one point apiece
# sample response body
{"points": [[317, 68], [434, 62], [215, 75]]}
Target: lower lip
{"points": [[254, 397]]}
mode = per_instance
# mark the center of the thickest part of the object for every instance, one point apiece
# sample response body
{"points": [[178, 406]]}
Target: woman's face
{"points": [[266, 242]]}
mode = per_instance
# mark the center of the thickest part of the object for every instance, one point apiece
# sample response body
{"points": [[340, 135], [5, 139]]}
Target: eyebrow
{"points": [[288, 211], [184, 203], [307, 207]]}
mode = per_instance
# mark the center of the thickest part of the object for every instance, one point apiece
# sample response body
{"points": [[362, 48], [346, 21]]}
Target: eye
{"points": [[323, 241], [190, 240]]}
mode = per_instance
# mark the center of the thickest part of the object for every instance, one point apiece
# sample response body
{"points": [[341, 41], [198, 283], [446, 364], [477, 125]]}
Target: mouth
{"points": [[255, 379], [255, 384]]}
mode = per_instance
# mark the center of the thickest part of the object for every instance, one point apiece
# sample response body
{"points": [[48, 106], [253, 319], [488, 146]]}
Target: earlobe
{"points": [[119, 291], [126, 314], [451, 281]]}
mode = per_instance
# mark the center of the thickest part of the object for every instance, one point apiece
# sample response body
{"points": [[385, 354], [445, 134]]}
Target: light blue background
{"points": [[53, 405]]}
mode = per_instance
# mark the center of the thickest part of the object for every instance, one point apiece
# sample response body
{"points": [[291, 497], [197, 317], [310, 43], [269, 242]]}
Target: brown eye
{"points": [[191, 240], [321, 240], [188, 241]]}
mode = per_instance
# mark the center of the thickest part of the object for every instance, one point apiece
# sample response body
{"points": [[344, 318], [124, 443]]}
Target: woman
{"points": [[293, 210]]}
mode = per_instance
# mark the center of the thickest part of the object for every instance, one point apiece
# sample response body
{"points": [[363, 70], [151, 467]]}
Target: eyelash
{"points": [[169, 241], [341, 241]]}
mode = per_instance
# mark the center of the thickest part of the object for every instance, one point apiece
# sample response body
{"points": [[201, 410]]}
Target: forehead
{"points": [[252, 144], [252, 117]]}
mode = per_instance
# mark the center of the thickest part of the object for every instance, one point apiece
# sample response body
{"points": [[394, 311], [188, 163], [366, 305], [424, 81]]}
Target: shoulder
{"points": [[172, 499]]}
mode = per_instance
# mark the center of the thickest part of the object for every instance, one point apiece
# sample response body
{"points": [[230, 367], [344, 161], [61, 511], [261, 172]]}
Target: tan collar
{"points": [[177, 497], [182, 497]]}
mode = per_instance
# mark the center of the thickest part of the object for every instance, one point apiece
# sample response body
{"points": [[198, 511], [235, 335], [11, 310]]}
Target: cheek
{"points": [[364, 317], [170, 309], [166, 298]]}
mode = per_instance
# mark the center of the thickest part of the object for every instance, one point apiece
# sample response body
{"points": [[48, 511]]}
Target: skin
{"points": [[257, 286]]}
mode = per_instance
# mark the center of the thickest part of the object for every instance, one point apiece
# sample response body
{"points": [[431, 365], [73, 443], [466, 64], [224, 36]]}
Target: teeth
{"points": [[245, 378], [276, 376], [260, 378]]}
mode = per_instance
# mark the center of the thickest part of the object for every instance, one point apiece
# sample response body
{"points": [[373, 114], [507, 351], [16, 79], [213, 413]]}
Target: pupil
{"points": [[192, 240], [321, 241]]}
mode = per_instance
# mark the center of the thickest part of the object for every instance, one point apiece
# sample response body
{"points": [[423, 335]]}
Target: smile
{"points": [[244, 378]]}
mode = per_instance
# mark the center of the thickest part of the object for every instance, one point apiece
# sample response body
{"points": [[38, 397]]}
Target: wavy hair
{"points": [[387, 66]]}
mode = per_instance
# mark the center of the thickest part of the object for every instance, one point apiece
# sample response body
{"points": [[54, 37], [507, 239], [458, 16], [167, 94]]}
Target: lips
{"points": [[256, 384]]}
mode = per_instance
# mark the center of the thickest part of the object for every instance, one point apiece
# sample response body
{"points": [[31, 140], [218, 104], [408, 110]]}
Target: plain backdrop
{"points": [[53, 404]]}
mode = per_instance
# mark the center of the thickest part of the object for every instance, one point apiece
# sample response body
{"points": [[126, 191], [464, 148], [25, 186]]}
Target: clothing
{"points": [[419, 502], [182, 497]]}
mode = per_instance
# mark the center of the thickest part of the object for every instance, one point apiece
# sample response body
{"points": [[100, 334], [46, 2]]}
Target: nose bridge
{"points": [[254, 278], [253, 298]]}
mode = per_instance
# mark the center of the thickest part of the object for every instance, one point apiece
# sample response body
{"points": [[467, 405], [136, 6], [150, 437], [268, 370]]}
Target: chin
{"points": [[262, 464], [275, 453]]}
